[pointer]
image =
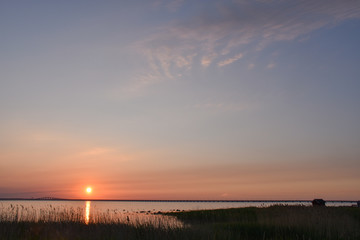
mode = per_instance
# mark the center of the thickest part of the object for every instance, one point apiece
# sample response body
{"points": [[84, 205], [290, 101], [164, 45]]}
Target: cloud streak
{"points": [[230, 60], [231, 29]]}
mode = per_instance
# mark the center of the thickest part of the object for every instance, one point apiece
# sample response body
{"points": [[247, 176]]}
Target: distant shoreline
{"points": [[163, 200]]}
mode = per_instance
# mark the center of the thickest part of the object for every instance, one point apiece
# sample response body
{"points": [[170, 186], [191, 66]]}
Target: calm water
{"points": [[131, 212]]}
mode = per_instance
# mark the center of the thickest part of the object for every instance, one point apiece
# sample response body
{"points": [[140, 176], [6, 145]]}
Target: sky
{"points": [[178, 99]]}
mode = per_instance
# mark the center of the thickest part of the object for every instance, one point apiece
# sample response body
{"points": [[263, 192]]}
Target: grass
{"points": [[76, 230], [276, 222]]}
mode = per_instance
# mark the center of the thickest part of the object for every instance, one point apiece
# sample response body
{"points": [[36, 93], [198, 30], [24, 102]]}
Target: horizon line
{"points": [[160, 200]]}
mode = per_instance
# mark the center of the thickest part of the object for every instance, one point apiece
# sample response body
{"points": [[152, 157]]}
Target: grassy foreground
{"points": [[277, 222]]}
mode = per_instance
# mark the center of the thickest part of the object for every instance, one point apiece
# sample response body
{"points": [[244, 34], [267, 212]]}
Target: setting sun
{"points": [[89, 190]]}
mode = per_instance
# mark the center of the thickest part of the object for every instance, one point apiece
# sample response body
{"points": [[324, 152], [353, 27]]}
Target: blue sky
{"points": [[180, 99]]}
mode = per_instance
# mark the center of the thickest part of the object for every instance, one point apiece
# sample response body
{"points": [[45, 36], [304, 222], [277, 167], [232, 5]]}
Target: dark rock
{"points": [[318, 202]]}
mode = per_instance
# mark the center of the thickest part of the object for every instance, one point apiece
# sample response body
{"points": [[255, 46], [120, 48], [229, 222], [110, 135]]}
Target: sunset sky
{"points": [[179, 99]]}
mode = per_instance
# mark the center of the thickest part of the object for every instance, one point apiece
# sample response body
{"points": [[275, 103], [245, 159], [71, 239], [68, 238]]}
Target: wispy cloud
{"points": [[251, 66], [230, 60], [236, 26], [270, 65], [206, 60]]}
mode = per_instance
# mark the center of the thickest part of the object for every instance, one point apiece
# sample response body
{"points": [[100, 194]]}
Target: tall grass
{"points": [[277, 222], [20, 213], [49, 213], [20, 222]]}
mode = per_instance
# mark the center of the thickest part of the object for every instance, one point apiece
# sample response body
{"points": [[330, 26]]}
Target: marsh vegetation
{"points": [[276, 222]]}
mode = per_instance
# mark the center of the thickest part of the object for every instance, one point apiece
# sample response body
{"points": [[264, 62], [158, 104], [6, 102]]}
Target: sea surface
{"points": [[131, 212]]}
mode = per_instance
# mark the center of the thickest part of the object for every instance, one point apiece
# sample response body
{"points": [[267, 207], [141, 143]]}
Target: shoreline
{"points": [[165, 200]]}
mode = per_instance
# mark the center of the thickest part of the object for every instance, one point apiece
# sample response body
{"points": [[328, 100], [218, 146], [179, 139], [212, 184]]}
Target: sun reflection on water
{"points": [[87, 212]]}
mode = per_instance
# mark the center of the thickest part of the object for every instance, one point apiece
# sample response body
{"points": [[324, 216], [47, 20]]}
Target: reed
{"points": [[276, 222]]}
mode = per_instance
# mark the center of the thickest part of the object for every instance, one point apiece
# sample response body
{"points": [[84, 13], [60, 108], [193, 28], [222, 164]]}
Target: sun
{"points": [[89, 190]]}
